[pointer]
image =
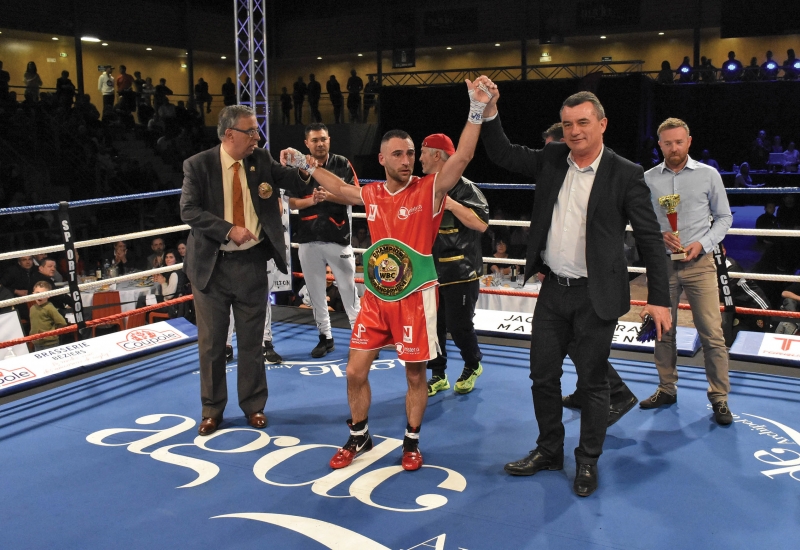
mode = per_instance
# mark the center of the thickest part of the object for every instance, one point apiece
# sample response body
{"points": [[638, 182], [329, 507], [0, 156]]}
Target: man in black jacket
{"points": [[578, 244], [229, 201], [457, 255]]}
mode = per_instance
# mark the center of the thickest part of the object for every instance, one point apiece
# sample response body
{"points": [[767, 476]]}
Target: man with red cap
{"points": [[459, 265], [399, 306]]}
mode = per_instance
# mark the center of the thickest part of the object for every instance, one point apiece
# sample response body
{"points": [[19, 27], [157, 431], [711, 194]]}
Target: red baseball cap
{"points": [[439, 141]]}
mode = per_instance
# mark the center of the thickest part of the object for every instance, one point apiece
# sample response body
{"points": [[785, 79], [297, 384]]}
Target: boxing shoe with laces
{"points": [[359, 442]]}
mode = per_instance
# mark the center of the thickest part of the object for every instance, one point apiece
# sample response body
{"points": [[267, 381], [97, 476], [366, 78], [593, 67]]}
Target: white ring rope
{"points": [[90, 285], [95, 242]]}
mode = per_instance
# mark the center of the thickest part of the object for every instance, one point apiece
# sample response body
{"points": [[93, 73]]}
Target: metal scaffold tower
{"points": [[251, 60]]}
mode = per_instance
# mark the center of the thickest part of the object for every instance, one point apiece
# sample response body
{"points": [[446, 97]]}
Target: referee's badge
{"points": [[265, 190]]}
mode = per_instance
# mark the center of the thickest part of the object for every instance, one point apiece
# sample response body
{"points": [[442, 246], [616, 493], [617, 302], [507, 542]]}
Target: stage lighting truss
{"points": [[251, 60]]}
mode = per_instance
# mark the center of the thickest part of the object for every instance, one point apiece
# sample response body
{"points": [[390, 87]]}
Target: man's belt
{"points": [[395, 270]]}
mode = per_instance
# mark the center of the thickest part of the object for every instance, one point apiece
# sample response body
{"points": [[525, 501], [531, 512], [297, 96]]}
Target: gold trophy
{"points": [[669, 202]]}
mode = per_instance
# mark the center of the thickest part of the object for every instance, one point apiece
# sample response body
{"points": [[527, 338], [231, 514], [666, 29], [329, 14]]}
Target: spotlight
{"points": [[319, 57], [796, 65], [361, 55], [104, 44], [55, 38], [771, 65], [89, 39], [661, 34], [497, 45], [602, 38], [223, 57], [684, 70], [731, 67], [449, 48], [149, 49]]}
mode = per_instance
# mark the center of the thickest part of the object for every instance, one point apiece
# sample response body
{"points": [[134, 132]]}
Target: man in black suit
{"points": [[585, 195], [229, 200]]}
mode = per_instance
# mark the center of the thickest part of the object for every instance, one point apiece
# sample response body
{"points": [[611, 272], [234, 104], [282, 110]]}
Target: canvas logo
{"points": [[407, 335], [11, 377], [281, 455], [145, 338], [785, 461], [373, 212], [405, 212]]}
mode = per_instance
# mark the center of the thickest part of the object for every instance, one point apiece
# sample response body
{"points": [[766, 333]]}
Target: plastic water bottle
{"points": [[107, 268]]}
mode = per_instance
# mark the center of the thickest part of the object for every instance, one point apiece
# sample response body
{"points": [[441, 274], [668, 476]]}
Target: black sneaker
{"points": [[270, 355], [228, 353], [324, 347], [722, 414]]}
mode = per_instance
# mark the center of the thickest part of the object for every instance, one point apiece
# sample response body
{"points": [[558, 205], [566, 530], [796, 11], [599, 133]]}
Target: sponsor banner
{"points": [[10, 329], [278, 281], [761, 347], [516, 324], [37, 368]]}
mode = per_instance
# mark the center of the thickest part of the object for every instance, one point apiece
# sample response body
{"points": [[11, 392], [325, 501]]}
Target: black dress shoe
{"points": [[618, 409], [534, 462], [570, 402], [658, 399], [585, 479], [209, 425]]}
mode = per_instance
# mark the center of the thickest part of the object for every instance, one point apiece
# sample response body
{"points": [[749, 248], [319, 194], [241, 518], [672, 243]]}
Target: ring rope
{"points": [[87, 202], [101, 321], [95, 242], [90, 285]]}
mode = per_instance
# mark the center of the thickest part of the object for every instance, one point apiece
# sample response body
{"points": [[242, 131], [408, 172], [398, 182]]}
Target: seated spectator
{"points": [[500, 269], [788, 214], [156, 259], [685, 72], [707, 72], [361, 240], [791, 158], [172, 283], [760, 151], [19, 278], [706, 159], [732, 68], [331, 294], [63, 267], [752, 72], [122, 259], [553, 133], [44, 318], [777, 147], [745, 294], [665, 75], [770, 68], [743, 178], [47, 269], [791, 302], [767, 220]]}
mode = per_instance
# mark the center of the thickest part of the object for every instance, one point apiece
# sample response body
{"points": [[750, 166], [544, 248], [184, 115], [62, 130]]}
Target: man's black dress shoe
{"points": [[585, 479], [534, 462], [208, 425], [570, 402], [618, 409]]}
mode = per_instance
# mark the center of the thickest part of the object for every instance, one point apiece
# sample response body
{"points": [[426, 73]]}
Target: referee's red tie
{"points": [[238, 198]]}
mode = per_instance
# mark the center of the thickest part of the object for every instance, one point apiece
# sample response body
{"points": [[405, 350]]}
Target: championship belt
{"points": [[395, 270]]}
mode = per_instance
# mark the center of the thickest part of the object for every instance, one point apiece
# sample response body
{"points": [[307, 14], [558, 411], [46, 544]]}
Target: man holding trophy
{"points": [[692, 208]]}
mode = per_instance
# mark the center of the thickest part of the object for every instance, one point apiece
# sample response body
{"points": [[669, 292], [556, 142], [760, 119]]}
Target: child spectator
{"points": [[45, 317]]}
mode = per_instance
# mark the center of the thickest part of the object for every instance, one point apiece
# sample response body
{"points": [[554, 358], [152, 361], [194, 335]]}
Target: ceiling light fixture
{"points": [[602, 38], [104, 44], [149, 49], [661, 34], [55, 38], [89, 39], [223, 57], [449, 48], [497, 44]]}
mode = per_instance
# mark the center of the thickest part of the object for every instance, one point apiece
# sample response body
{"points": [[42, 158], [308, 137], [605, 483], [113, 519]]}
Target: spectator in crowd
{"points": [[124, 84], [122, 259], [791, 158], [229, 92], [791, 302], [370, 101], [46, 272], [767, 220], [354, 87], [156, 259], [499, 268], [201, 95], [19, 277], [777, 146], [44, 318], [732, 69], [706, 159], [160, 94], [745, 294], [138, 86], [314, 92], [752, 72], [707, 72], [6, 294], [5, 80], [37, 261], [553, 133], [665, 75], [333, 299], [63, 266], [685, 72], [286, 105], [148, 91], [770, 68], [791, 67], [336, 97], [32, 83], [760, 151], [788, 213], [361, 240], [171, 283], [65, 90], [743, 178], [181, 248], [105, 84], [299, 92]]}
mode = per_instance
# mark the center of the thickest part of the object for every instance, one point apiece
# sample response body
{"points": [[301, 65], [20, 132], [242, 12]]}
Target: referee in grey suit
{"points": [[228, 200]]}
